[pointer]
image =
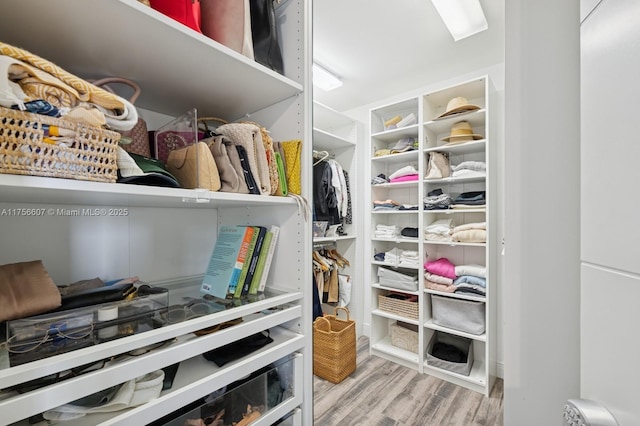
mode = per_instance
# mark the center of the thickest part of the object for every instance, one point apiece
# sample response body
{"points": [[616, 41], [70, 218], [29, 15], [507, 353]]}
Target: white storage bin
{"points": [[395, 279], [459, 314], [461, 343]]}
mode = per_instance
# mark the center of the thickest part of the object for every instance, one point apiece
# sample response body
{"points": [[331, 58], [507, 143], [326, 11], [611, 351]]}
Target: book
{"points": [[245, 267], [223, 260], [267, 265], [242, 255], [253, 288], [254, 260]]}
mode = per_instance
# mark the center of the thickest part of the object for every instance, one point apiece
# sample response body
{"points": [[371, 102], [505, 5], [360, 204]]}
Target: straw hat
{"points": [[458, 105], [461, 132]]}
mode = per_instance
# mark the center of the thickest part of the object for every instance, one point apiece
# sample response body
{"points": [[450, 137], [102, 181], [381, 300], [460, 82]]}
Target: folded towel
{"points": [[404, 171], [470, 236], [467, 226], [475, 270]]}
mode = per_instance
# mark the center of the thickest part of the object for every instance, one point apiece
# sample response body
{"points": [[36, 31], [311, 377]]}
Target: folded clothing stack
{"points": [[472, 279], [386, 231], [442, 275], [469, 169], [470, 233], [471, 199], [379, 180], [437, 200], [440, 230], [407, 173], [379, 205], [400, 257]]}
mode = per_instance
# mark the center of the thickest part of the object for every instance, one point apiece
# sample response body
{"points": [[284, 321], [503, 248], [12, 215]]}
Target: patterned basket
{"points": [[334, 347], [397, 306], [26, 150]]}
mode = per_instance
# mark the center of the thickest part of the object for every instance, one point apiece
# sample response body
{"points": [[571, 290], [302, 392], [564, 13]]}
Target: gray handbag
{"points": [[228, 161]]}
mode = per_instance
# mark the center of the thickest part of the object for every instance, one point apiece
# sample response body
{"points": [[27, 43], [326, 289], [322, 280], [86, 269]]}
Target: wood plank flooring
{"points": [[382, 393]]}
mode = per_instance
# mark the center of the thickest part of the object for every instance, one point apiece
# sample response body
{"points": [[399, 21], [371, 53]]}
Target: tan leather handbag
{"points": [[194, 167]]}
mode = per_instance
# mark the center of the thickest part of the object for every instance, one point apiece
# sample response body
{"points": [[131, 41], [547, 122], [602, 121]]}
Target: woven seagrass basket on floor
{"points": [[334, 347], [90, 154]]}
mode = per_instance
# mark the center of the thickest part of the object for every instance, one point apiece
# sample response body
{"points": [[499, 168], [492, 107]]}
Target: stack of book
{"points": [[240, 261]]}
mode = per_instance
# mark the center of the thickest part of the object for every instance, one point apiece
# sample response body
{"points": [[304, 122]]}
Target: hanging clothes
{"points": [[325, 202]]}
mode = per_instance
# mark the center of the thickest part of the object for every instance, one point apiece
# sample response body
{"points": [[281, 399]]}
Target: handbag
{"points": [[135, 140], [266, 45], [267, 141], [194, 167], [187, 12], [438, 166], [282, 168], [228, 22], [249, 136], [228, 163], [26, 289], [226, 157], [292, 153], [246, 170]]}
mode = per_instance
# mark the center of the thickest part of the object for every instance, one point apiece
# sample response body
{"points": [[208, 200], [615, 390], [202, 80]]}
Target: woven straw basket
{"points": [[334, 347], [402, 308], [25, 149]]}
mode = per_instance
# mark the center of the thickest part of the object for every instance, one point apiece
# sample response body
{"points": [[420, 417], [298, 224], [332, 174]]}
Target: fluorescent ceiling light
{"points": [[323, 79], [463, 18]]}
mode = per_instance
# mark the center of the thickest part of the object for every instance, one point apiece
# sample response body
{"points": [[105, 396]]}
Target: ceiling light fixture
{"points": [[463, 18], [324, 80]]}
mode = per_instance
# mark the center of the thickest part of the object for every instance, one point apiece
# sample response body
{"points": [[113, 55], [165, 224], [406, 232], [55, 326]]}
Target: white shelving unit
{"points": [[429, 132], [337, 134], [167, 235]]}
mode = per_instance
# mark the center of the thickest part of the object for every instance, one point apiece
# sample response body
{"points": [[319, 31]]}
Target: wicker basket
{"points": [[25, 150], [399, 307], [334, 347]]}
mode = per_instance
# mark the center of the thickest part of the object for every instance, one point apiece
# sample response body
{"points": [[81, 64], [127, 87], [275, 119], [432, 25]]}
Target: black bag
{"points": [[266, 47], [238, 349]]}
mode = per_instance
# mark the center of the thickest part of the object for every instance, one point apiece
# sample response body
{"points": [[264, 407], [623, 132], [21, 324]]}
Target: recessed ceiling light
{"points": [[324, 79], [463, 18]]}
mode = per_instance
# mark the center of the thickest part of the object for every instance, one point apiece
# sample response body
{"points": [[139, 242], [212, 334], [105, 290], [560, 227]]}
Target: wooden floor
{"points": [[382, 393]]}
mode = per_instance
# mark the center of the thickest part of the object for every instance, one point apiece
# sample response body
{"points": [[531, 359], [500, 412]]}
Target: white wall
{"points": [[361, 114], [542, 234], [610, 290]]}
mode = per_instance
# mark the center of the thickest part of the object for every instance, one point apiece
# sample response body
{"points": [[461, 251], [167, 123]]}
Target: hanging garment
{"points": [[347, 218], [325, 203]]}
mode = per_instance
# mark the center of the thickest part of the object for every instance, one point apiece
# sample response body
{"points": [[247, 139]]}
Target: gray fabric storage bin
{"points": [[458, 314], [398, 280], [462, 343]]}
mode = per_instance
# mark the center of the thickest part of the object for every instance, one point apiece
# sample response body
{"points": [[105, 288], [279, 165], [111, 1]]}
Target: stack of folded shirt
{"points": [[469, 169], [409, 232], [471, 279], [405, 174], [440, 230], [471, 199], [439, 275], [379, 180], [380, 205], [386, 231], [437, 200], [470, 233], [409, 259], [405, 258]]}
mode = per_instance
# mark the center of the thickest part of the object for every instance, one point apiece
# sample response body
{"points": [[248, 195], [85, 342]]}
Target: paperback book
{"points": [[224, 260]]}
